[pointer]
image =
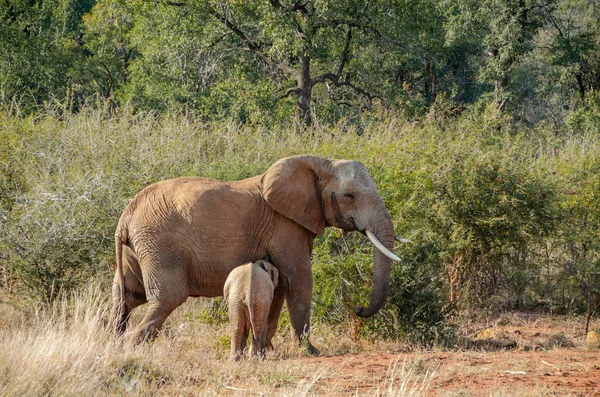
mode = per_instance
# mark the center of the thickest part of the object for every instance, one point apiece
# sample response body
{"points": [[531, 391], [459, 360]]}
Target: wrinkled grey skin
{"points": [[248, 292], [182, 237]]}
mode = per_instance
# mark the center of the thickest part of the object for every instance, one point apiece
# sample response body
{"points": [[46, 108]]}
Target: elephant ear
{"points": [[291, 187], [274, 273]]}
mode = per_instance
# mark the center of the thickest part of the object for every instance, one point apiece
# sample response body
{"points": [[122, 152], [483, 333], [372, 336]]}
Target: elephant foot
{"points": [[308, 349], [313, 351]]}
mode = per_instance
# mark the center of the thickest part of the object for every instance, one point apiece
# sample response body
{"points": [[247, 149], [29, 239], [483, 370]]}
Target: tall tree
{"points": [[306, 42], [504, 28], [39, 46], [572, 41], [108, 44]]}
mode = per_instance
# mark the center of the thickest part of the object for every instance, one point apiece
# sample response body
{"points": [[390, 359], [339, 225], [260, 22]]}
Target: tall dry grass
{"points": [[65, 350], [50, 350]]}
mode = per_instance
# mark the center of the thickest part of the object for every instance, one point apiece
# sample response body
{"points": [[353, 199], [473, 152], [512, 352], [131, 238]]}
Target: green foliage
{"points": [[12, 182], [39, 48], [587, 118], [513, 211], [489, 212], [418, 306], [109, 49], [260, 62], [216, 314], [578, 270]]}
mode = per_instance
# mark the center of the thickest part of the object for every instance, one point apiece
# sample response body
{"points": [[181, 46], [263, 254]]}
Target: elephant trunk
{"points": [[382, 232]]}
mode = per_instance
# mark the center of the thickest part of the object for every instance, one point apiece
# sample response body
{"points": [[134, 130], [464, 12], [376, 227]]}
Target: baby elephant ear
{"points": [[291, 187], [274, 276]]}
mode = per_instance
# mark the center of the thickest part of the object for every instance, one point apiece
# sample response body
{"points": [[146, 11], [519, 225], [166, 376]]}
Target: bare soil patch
{"points": [[556, 372], [547, 356]]}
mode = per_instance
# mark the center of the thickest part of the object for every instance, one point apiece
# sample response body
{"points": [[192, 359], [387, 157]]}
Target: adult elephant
{"points": [[181, 237]]}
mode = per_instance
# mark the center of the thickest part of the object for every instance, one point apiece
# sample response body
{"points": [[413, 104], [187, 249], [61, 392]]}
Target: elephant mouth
{"points": [[346, 223]]}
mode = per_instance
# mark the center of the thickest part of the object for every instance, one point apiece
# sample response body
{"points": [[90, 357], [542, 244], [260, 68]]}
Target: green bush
{"points": [[490, 211], [513, 211]]}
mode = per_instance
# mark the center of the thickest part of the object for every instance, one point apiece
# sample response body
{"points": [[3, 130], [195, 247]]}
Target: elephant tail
{"points": [[119, 317]]}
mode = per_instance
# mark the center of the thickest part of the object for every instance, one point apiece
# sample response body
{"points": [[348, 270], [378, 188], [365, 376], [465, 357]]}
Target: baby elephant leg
{"points": [[259, 332], [238, 328]]}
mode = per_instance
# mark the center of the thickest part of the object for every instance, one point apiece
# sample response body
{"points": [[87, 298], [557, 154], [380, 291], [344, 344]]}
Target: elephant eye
{"points": [[349, 196]]}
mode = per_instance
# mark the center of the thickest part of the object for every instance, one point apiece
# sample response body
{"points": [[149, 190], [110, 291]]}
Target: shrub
{"points": [[500, 216]]}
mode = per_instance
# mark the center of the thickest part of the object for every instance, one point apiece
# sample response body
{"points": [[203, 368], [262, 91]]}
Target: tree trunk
{"points": [[303, 105], [304, 90], [580, 84], [500, 87], [453, 268], [430, 83]]}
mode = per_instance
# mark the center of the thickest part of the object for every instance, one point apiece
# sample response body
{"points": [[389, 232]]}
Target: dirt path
{"points": [[507, 373]]}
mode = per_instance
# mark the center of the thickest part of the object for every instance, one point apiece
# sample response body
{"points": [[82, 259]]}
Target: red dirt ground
{"points": [[508, 373], [548, 357]]}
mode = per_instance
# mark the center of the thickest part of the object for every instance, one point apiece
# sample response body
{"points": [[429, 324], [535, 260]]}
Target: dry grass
{"points": [[407, 380], [65, 350]]}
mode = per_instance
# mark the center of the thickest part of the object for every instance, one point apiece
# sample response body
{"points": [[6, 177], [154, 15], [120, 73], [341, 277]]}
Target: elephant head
{"points": [[268, 267], [317, 193]]}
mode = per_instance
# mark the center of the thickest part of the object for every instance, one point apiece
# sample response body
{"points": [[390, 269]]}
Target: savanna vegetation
{"points": [[479, 121]]}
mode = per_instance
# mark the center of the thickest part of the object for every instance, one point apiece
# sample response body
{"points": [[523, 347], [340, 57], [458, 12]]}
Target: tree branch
{"points": [[176, 3], [335, 77], [297, 6], [361, 91], [335, 80], [345, 51], [289, 92], [254, 47], [351, 24]]}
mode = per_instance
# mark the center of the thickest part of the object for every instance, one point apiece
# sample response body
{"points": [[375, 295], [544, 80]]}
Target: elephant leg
{"points": [[134, 296], [164, 295], [258, 345], [298, 300], [153, 321], [262, 336], [238, 329], [118, 313], [259, 331], [245, 335], [274, 313]]}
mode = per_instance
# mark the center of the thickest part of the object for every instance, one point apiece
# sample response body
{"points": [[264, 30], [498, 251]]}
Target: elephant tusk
{"points": [[402, 240], [381, 247]]}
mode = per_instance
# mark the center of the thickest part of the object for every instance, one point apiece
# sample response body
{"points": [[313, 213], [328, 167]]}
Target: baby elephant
{"points": [[248, 292]]}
